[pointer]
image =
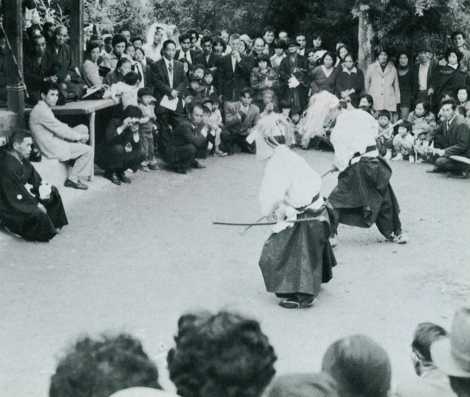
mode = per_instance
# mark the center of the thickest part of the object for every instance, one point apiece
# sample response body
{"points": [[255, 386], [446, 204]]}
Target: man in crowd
{"points": [[168, 79], [302, 42], [458, 38], [59, 54], [38, 69], [119, 46], [207, 58], [422, 76], [29, 207], [126, 34], [282, 35], [57, 140], [186, 55], [153, 49], [452, 354], [186, 143], [240, 118], [268, 37], [452, 138]]}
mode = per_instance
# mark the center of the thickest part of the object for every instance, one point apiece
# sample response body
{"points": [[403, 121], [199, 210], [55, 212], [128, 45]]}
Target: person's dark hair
{"points": [[206, 109], [100, 367], [285, 104], [122, 61], [246, 90], [456, 33], [208, 72], [316, 36], [263, 58], [132, 111], [280, 44], [268, 29], [350, 55], [141, 50], [359, 365], [224, 354], [455, 51], [219, 41], [166, 43], [47, 86], [379, 50], [369, 99], [206, 39], [339, 49], [384, 113], [137, 38], [108, 40], [406, 124], [18, 136], [117, 39], [91, 46], [425, 106], [185, 36], [131, 78], [449, 101], [330, 54], [425, 335]]}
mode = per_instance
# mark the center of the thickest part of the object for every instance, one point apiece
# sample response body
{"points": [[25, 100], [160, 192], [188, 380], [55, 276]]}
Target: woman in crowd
{"points": [[221, 355], [280, 47], [90, 68], [263, 77], [360, 367], [341, 52], [349, 81], [219, 47], [448, 78], [382, 83], [323, 77], [122, 147], [141, 66], [405, 82]]}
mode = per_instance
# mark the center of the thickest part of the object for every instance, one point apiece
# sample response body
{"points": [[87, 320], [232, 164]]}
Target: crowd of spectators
{"points": [[203, 94], [228, 355]]}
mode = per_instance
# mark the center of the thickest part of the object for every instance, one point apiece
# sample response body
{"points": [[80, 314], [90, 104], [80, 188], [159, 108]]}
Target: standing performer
{"points": [[363, 195], [297, 257]]}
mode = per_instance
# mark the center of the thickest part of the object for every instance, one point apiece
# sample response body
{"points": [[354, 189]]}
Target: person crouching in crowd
{"points": [[423, 124], [148, 128], [385, 134], [99, 367], [403, 142], [223, 354], [212, 130], [122, 147], [29, 207]]}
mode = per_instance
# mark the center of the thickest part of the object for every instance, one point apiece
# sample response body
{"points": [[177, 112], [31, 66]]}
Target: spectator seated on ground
{"points": [[452, 138], [29, 207], [57, 140], [240, 117], [186, 143], [223, 355], [452, 354], [122, 147], [431, 381], [360, 367], [102, 366], [303, 385]]}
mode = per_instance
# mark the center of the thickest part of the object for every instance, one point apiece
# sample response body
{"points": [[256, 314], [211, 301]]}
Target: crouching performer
{"points": [[363, 195], [29, 207], [297, 257]]}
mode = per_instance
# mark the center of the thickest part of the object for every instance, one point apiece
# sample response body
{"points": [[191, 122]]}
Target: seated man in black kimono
{"points": [[29, 207]]}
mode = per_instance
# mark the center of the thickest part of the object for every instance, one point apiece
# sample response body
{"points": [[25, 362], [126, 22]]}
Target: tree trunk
{"points": [[365, 35]]}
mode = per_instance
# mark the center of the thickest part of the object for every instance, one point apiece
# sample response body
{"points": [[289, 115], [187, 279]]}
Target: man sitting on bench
{"points": [[57, 140]]}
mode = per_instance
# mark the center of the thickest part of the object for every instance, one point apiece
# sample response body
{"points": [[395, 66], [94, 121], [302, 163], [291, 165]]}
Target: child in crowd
{"points": [[423, 124], [198, 72], [385, 134], [148, 128], [403, 142], [290, 126], [366, 103], [211, 130], [125, 91], [208, 89], [193, 93]]}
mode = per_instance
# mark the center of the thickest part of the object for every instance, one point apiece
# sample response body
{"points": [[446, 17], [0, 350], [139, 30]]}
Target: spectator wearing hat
{"points": [[360, 366], [293, 78], [148, 128], [431, 382], [122, 146], [452, 354], [222, 354], [263, 77], [303, 385], [119, 44]]}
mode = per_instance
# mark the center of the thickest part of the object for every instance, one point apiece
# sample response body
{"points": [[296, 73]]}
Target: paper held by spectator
{"points": [[170, 104]]}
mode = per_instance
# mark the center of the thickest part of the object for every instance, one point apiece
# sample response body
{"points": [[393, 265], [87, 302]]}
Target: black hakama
{"points": [[19, 198], [299, 258], [364, 196]]}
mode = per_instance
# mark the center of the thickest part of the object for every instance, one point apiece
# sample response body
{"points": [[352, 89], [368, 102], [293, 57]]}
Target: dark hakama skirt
{"points": [[38, 226], [299, 258], [364, 196]]}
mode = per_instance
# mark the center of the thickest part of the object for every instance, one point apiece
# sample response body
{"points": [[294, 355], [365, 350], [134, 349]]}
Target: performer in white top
{"points": [[363, 195], [297, 257]]}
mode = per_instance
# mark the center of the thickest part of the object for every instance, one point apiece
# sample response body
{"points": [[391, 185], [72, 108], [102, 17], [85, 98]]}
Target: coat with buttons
{"points": [[383, 86]]}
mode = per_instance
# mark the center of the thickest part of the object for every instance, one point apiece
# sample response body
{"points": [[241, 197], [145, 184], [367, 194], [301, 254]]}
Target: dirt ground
{"points": [[134, 258]]}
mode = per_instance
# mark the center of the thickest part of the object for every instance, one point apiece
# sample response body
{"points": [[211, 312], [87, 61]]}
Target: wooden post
{"points": [[13, 21], [76, 32]]}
